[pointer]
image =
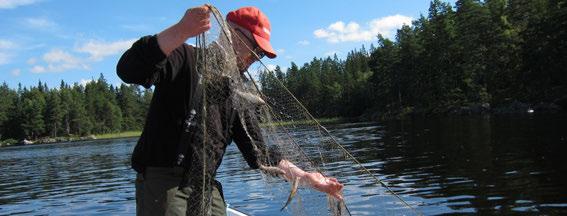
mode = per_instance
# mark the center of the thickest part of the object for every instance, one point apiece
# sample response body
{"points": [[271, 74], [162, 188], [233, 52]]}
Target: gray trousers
{"points": [[158, 193]]}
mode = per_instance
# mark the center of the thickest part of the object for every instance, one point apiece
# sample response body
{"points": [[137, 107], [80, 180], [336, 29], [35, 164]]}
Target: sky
{"points": [[77, 40]]}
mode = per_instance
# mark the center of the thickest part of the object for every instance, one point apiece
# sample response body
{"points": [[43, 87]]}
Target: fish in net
{"points": [[286, 127]]}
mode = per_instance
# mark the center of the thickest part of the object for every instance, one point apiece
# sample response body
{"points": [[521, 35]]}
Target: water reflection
{"points": [[484, 165]]}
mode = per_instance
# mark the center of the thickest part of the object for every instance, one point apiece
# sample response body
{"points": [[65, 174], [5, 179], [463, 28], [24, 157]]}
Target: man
{"points": [[166, 62]]}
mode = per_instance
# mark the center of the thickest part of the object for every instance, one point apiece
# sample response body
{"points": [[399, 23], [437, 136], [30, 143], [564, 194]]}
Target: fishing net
{"points": [[285, 127]]}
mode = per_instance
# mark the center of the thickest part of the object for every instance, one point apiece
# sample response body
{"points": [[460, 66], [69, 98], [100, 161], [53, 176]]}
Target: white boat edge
{"points": [[232, 212]]}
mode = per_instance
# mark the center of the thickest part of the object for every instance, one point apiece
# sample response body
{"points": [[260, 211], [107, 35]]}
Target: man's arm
{"points": [[194, 22], [152, 58], [315, 180], [248, 137], [252, 146]]}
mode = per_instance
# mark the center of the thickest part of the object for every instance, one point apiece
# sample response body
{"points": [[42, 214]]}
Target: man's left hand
{"points": [[321, 183]]}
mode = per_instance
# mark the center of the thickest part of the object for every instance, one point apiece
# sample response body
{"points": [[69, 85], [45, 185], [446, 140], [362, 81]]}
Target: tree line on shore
{"points": [[486, 54], [78, 110]]}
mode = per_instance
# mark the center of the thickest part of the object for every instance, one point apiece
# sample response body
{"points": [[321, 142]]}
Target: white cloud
{"points": [[16, 72], [280, 51], [31, 61], [387, 25], [98, 49], [352, 31], [39, 23], [5, 46], [303, 42], [4, 58], [58, 61], [38, 69], [84, 82], [10, 4], [57, 55]]}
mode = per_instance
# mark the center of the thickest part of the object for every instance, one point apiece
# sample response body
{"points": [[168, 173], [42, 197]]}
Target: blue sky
{"points": [[76, 40]]}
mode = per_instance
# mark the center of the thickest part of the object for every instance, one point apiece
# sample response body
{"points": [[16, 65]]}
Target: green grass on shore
{"points": [[73, 138], [118, 135]]}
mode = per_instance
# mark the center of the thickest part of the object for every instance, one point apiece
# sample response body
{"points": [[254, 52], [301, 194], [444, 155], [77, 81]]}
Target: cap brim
{"points": [[266, 46]]}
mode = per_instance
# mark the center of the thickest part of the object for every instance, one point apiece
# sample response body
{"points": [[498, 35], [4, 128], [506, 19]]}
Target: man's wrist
{"points": [[291, 170], [171, 38], [182, 32]]}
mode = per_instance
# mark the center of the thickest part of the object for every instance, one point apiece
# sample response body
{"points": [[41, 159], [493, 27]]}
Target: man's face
{"points": [[245, 48]]}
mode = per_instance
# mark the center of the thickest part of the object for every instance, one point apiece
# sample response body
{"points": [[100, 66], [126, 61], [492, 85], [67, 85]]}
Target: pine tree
{"points": [[292, 78], [544, 53], [410, 51], [66, 104], [438, 36], [32, 110], [80, 118], [145, 99], [7, 106], [53, 113], [503, 53], [127, 102], [473, 38], [384, 82], [355, 75]]}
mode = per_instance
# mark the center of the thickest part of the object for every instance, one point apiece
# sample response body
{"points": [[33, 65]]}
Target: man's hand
{"points": [[315, 180], [325, 184], [194, 22]]}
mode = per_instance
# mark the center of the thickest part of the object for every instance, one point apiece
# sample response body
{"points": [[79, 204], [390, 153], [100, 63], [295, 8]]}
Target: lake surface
{"points": [[459, 165]]}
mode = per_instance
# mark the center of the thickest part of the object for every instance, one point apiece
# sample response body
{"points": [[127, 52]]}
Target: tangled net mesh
{"points": [[285, 125]]}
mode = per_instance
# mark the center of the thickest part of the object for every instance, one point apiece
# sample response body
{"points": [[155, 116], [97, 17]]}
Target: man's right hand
{"points": [[194, 22]]}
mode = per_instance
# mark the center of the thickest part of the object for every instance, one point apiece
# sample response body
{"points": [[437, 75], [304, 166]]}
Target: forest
{"points": [[71, 110], [472, 57]]}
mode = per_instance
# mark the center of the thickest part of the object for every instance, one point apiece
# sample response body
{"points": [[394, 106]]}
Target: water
{"points": [[482, 165]]}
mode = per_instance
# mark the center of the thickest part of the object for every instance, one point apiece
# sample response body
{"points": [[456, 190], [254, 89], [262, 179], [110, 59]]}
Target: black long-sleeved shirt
{"points": [[175, 83]]}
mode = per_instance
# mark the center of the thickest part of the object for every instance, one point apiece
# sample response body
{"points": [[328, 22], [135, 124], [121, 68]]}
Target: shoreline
{"points": [[50, 140], [130, 134], [515, 109]]}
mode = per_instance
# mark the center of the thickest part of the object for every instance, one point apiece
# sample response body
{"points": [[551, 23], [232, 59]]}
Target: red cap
{"points": [[252, 19]]}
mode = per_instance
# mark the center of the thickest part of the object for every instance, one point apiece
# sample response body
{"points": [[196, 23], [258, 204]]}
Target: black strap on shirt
{"points": [[189, 124]]}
